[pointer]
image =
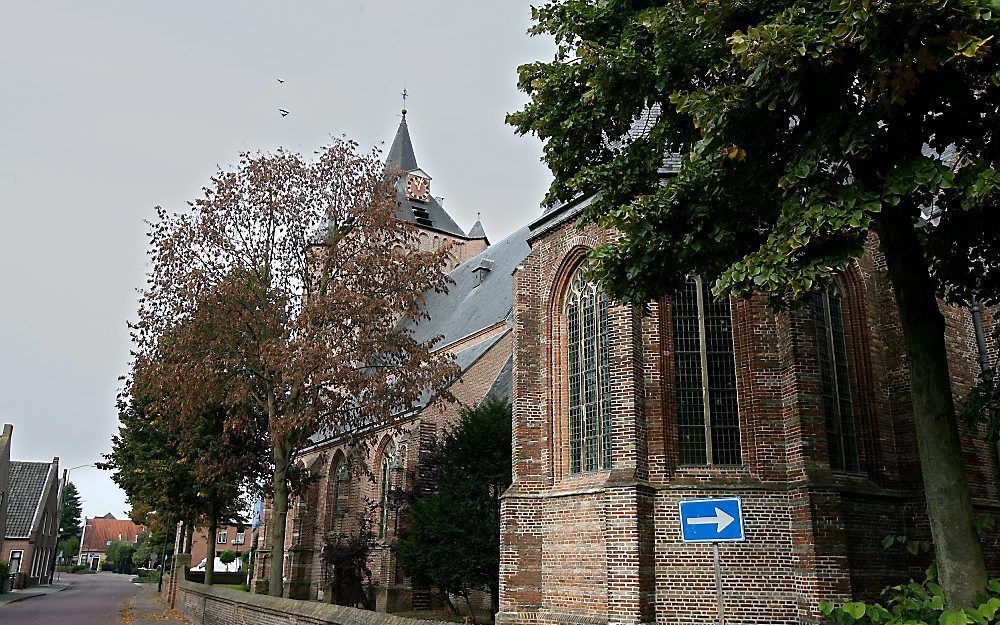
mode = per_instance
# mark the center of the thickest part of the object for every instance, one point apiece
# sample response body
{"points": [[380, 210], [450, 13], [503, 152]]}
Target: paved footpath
{"points": [[146, 609]]}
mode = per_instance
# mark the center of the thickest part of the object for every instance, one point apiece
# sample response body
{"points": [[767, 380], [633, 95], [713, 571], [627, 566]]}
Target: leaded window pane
{"points": [[708, 425], [605, 375], [588, 375], [838, 409]]}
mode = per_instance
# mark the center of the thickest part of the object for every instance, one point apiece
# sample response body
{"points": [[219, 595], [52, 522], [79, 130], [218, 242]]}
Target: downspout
{"points": [[984, 357]]}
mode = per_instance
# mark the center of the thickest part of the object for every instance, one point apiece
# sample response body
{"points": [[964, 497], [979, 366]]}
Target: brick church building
{"points": [[361, 476], [618, 415]]}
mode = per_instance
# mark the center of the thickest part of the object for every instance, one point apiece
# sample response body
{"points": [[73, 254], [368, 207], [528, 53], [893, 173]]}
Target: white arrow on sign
{"points": [[721, 519]]}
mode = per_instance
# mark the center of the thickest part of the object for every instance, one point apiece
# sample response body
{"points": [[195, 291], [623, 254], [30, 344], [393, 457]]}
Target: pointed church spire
{"points": [[477, 232], [401, 154]]}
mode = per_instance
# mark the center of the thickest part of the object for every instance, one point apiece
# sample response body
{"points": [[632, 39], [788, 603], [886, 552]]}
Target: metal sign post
{"points": [[718, 584], [713, 521]]}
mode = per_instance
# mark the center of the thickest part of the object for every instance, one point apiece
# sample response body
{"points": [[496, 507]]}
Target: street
{"points": [[95, 599]]}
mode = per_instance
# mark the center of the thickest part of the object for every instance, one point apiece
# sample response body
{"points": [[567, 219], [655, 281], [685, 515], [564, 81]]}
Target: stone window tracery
{"points": [[391, 468], [588, 374], [708, 425], [838, 408]]}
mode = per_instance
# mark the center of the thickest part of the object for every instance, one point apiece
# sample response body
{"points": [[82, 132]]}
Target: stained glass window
{"points": [[589, 375], [708, 425], [838, 409]]}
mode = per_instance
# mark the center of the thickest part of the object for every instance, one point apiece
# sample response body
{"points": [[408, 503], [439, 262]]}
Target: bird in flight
{"points": [[281, 81], [283, 112]]}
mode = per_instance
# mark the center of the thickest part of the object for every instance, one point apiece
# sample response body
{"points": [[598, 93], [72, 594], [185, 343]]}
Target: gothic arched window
{"points": [[708, 422], [589, 375], [392, 477], [838, 410], [341, 489]]}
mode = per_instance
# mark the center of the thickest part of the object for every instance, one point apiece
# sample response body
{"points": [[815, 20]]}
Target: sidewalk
{"points": [[34, 591], [146, 609]]}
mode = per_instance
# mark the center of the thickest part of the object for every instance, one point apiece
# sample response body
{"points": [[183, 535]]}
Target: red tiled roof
{"points": [[102, 529]]}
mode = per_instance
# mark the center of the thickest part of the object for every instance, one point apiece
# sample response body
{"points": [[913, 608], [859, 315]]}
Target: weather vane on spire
{"points": [[405, 95]]}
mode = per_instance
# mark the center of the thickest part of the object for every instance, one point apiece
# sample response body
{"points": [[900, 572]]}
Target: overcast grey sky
{"points": [[109, 108]]}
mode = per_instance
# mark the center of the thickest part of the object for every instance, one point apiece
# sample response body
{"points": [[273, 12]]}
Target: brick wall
{"points": [[205, 605], [604, 547]]}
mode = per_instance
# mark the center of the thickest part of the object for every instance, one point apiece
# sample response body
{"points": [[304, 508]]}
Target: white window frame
{"points": [[20, 559], [221, 537]]}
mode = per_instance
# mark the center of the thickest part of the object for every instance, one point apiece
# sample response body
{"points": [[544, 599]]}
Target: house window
{"points": [[589, 375], [838, 410], [222, 537], [240, 537], [15, 561], [708, 424]]}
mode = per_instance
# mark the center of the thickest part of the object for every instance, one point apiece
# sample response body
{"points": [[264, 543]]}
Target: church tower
{"points": [[434, 225]]}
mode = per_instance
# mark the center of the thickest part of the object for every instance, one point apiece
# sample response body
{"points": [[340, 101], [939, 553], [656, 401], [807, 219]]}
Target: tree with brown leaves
{"points": [[303, 274]]}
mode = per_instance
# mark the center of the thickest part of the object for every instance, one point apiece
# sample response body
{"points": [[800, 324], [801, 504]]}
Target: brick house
{"points": [[99, 533], [32, 529], [235, 536], [8, 431], [358, 478], [803, 413]]}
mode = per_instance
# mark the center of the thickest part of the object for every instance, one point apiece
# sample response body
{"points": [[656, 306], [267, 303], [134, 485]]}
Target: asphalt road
{"points": [[95, 599]]}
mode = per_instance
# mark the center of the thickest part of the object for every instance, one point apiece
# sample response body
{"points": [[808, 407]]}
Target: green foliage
{"points": [[4, 572], [982, 405], [345, 557], [453, 534], [799, 124], [69, 547], [911, 545], [69, 523], [228, 556], [152, 542], [120, 557], [916, 604]]}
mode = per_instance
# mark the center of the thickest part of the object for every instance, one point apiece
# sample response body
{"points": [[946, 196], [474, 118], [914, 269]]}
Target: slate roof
{"points": [[477, 299], [478, 232], [27, 486], [503, 386], [401, 156], [100, 530]]}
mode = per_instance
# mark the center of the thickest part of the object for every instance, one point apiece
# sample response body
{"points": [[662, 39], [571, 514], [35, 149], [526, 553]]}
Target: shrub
{"points": [[345, 557], [228, 556], [916, 603]]}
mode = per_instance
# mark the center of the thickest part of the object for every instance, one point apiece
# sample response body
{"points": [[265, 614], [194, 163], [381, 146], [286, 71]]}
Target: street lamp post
{"points": [[62, 505]]}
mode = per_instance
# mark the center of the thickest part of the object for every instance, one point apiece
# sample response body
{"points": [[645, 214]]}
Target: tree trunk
{"points": [[949, 503], [495, 600], [282, 457], [213, 531]]}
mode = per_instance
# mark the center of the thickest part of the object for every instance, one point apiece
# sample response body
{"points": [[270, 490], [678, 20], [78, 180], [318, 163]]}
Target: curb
{"points": [[37, 594]]}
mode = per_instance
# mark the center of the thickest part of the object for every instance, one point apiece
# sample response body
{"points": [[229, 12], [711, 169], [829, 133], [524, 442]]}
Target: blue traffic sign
{"points": [[712, 520]]}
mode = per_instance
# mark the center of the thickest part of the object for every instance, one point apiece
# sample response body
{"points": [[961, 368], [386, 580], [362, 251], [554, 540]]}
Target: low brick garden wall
{"points": [[207, 605]]}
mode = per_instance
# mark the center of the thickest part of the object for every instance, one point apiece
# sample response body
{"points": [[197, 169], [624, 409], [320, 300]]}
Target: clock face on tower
{"points": [[418, 188]]}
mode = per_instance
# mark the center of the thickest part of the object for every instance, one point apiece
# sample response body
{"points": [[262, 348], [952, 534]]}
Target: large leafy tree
{"points": [[69, 522], [801, 127], [453, 539], [303, 274], [196, 463]]}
